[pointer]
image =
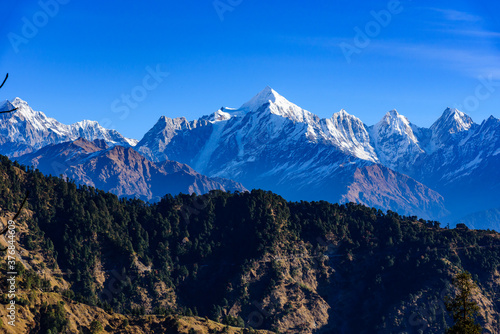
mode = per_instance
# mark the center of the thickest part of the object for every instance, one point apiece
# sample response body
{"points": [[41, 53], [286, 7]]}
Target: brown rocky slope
{"points": [[122, 170]]}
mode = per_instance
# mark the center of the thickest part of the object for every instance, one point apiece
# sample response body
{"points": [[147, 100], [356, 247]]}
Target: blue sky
{"points": [[84, 56]]}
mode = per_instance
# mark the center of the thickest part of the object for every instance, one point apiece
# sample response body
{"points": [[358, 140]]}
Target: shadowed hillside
{"points": [[249, 259]]}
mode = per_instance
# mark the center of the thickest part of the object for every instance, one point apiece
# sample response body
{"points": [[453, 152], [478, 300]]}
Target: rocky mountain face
{"points": [[450, 169], [375, 185], [459, 159], [122, 171], [395, 141], [25, 130], [271, 143]]}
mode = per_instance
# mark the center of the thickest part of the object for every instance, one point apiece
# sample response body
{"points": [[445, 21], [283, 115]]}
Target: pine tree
{"points": [[462, 308], [96, 327]]}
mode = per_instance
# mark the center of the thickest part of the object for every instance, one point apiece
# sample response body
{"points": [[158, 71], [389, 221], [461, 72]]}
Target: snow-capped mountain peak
{"points": [[37, 119], [341, 114], [267, 95], [25, 110], [155, 141], [394, 123], [218, 116], [349, 134], [28, 130], [453, 121], [268, 100], [20, 103], [394, 139], [392, 113], [343, 119]]}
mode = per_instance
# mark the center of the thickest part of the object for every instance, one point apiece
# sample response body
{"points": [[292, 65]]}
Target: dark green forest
{"points": [[251, 258]]}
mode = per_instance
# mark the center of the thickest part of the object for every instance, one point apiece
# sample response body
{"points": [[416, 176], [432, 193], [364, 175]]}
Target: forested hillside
{"points": [[249, 259]]}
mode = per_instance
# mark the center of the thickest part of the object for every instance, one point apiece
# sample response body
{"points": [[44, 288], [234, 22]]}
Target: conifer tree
{"points": [[462, 308]]}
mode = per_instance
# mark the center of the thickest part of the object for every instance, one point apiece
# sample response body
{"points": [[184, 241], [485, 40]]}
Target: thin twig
{"points": [[6, 111], [4, 231], [6, 76]]}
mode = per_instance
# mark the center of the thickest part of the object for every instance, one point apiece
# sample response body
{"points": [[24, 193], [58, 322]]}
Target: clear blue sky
{"points": [[84, 57]]}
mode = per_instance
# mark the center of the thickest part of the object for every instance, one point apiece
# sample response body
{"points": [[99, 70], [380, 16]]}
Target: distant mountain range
{"points": [[122, 170], [444, 172], [26, 130]]}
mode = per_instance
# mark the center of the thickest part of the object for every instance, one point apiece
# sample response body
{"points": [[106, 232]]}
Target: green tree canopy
{"points": [[462, 308]]}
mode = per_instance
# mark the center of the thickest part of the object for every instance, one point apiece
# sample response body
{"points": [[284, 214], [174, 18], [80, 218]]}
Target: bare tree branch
{"points": [[4, 231], [6, 111], [6, 76]]}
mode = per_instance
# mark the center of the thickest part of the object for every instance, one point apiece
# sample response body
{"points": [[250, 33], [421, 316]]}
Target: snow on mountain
{"points": [[472, 151], [394, 140], [456, 147], [488, 133], [451, 124], [155, 141], [278, 105], [272, 143], [267, 115], [349, 134], [26, 130], [218, 116]]}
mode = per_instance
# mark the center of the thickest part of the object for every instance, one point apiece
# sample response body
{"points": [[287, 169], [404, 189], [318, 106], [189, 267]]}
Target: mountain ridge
{"points": [[251, 258], [269, 142], [31, 130], [122, 170], [273, 144]]}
